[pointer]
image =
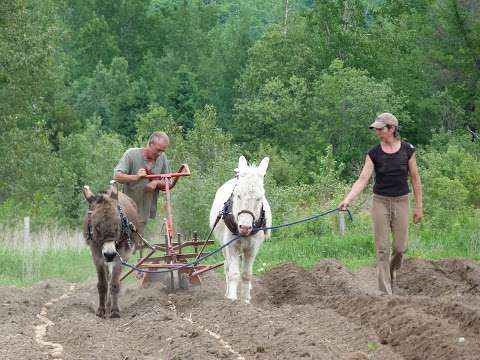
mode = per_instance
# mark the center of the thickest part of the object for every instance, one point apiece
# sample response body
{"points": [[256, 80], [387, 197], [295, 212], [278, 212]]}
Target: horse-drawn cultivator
{"points": [[247, 221], [240, 218], [169, 261]]}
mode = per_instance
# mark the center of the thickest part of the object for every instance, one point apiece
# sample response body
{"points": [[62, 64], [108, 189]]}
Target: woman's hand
{"points": [[417, 215], [344, 205], [359, 185]]}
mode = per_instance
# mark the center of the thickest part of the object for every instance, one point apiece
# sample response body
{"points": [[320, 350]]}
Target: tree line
{"points": [[297, 80]]}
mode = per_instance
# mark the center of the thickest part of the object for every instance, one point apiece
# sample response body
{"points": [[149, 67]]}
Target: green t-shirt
{"points": [[131, 161]]}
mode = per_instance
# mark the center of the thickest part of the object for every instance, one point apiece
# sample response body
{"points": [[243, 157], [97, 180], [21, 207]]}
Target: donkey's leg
{"points": [[249, 255], [115, 288], [108, 274], [225, 269], [102, 287], [232, 258]]}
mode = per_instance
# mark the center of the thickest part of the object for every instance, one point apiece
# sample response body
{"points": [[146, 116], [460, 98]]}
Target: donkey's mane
{"points": [[106, 204], [103, 196]]}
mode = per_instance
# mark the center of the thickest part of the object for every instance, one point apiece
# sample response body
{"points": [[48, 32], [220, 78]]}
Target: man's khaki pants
{"points": [[389, 214]]}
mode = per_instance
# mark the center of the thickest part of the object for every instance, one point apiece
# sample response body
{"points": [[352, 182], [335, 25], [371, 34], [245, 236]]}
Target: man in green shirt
{"points": [[132, 168]]}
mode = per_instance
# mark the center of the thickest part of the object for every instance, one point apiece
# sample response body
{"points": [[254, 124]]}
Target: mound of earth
{"points": [[440, 277], [326, 313]]}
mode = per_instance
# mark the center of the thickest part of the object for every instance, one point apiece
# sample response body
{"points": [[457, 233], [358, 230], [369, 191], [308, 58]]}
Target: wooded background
{"points": [[297, 80]]}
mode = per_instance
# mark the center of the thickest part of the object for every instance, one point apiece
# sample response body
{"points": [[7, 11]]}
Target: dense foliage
{"points": [[298, 80]]}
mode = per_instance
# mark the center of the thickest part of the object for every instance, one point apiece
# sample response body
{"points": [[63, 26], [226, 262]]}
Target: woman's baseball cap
{"points": [[383, 120]]}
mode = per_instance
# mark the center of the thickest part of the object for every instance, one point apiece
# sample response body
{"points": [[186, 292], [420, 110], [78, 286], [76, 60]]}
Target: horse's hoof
{"points": [[115, 314], [100, 313]]}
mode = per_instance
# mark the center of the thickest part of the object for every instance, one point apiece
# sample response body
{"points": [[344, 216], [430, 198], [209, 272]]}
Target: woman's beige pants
{"points": [[389, 214]]}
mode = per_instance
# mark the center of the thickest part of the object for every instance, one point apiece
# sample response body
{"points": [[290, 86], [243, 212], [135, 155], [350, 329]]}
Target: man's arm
{"points": [[122, 172], [154, 185], [123, 178]]}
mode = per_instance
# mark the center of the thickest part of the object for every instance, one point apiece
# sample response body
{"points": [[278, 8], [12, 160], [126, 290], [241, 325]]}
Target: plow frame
{"points": [[172, 253]]}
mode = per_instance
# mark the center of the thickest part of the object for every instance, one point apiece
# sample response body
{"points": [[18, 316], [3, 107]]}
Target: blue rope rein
{"points": [[211, 253]]}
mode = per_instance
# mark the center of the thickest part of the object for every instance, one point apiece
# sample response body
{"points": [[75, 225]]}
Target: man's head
{"points": [[157, 144], [385, 124]]}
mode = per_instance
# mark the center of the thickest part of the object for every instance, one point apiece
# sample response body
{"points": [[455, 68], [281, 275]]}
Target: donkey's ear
{"points": [[242, 163], [262, 168], [89, 195], [113, 190]]}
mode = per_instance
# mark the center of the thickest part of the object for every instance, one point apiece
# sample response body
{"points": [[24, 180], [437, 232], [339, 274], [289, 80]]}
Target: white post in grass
{"points": [[26, 231], [341, 222], [27, 247]]}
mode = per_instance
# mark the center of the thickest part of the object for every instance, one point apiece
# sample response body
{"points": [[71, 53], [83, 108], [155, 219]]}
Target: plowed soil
{"points": [[326, 313]]}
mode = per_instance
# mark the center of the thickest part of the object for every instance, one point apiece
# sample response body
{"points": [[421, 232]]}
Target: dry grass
{"points": [[52, 252], [42, 240]]}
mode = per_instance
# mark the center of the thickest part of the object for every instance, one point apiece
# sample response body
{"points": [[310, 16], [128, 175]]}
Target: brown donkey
{"points": [[108, 231]]}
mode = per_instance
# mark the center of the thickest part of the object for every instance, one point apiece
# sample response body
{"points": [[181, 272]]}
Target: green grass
{"points": [[23, 268], [49, 253], [307, 251], [454, 241], [301, 245]]}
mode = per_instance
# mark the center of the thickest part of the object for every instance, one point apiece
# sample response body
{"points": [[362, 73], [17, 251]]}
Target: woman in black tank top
{"points": [[392, 160]]}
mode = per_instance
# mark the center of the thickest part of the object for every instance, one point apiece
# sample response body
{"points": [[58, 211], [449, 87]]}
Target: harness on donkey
{"points": [[125, 232], [229, 219]]}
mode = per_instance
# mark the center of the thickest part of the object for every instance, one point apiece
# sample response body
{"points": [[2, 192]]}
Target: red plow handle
{"points": [[183, 171]]}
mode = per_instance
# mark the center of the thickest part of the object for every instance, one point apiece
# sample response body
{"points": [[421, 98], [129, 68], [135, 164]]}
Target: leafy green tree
{"points": [[88, 158], [430, 49], [111, 95], [278, 115], [456, 52], [185, 97], [27, 163], [28, 42], [94, 44], [101, 30], [278, 55], [155, 119], [212, 158], [344, 103], [336, 112], [30, 177], [451, 161]]}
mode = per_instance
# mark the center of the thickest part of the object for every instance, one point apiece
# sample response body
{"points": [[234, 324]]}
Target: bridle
{"points": [[229, 218], [125, 231]]}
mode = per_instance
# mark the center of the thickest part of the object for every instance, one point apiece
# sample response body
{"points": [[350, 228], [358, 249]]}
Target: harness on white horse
{"points": [[230, 222], [125, 232]]}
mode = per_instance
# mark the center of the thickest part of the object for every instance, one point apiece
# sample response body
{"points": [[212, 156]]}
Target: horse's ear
{"points": [[262, 168], [242, 163], [89, 195], [113, 190]]}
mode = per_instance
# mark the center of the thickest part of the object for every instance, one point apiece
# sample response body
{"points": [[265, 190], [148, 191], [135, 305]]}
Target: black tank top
{"points": [[391, 170]]}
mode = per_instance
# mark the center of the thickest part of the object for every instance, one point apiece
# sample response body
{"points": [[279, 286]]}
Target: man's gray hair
{"points": [[157, 136]]}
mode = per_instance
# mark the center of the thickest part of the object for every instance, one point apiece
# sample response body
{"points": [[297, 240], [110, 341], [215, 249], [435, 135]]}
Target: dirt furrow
{"points": [[326, 313]]}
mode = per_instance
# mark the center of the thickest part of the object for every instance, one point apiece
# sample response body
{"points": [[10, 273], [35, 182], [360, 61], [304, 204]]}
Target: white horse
{"points": [[245, 208]]}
